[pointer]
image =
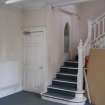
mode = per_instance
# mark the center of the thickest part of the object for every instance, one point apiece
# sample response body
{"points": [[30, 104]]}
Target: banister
{"points": [[98, 38], [98, 26], [80, 70], [98, 18], [81, 73], [87, 87], [84, 49]]}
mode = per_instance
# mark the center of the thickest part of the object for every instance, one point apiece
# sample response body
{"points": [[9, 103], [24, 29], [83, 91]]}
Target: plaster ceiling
{"points": [[41, 3]]}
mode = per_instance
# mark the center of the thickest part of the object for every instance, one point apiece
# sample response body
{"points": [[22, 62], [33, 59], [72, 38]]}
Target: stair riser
{"points": [[69, 64], [65, 77], [76, 58], [69, 71], [64, 86], [74, 86], [64, 93], [62, 101]]}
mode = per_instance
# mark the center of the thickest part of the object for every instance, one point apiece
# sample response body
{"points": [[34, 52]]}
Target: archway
{"points": [[66, 41]]}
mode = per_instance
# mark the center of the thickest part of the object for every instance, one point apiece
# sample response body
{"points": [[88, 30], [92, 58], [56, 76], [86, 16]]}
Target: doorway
{"points": [[34, 60], [66, 41]]}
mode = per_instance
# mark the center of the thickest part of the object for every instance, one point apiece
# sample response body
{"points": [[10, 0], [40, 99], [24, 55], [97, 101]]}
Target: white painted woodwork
{"points": [[99, 38], [80, 73], [103, 23], [87, 86], [94, 29], [63, 101], [80, 67], [35, 60], [74, 101]]}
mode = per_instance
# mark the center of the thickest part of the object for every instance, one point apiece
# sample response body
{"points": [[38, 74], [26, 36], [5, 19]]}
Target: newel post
{"points": [[80, 69]]}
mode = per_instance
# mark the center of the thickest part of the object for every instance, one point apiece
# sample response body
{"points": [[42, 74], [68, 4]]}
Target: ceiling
{"points": [[41, 3]]}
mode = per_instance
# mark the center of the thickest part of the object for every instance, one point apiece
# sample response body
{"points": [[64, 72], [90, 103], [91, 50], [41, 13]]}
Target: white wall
{"points": [[74, 29], [10, 51], [35, 17], [46, 17], [89, 10], [54, 21], [56, 24], [12, 23], [11, 42]]}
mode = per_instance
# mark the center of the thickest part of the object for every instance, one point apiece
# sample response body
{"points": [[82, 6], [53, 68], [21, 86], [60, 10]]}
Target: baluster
{"points": [[90, 26], [80, 69], [103, 25], [98, 28], [89, 29], [94, 28]]}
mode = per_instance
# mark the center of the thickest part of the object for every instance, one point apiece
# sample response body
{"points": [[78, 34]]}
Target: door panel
{"points": [[34, 61]]}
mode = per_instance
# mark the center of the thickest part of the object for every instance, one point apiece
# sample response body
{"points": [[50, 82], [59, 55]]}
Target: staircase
{"points": [[64, 86]]}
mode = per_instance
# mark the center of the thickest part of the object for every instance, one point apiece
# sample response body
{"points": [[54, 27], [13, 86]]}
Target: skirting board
{"points": [[10, 90]]}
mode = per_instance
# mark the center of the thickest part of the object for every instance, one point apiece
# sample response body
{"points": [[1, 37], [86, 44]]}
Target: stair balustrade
{"points": [[95, 39]]}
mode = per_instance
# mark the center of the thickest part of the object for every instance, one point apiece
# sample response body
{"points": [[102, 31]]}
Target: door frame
{"points": [[29, 30]]}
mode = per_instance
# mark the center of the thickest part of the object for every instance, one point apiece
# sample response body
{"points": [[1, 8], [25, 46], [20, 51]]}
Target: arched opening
{"points": [[66, 41]]}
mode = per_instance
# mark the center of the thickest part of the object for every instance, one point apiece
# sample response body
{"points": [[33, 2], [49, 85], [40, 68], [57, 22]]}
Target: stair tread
{"points": [[71, 61], [69, 71], [65, 97], [63, 80], [68, 74], [67, 79], [67, 67], [70, 64], [63, 87]]}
